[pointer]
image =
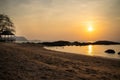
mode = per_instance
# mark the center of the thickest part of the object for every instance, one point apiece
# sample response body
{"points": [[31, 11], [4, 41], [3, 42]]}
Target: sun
{"points": [[90, 28]]}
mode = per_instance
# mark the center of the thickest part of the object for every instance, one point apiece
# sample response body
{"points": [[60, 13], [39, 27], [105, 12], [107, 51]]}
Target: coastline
{"points": [[83, 55], [33, 62]]}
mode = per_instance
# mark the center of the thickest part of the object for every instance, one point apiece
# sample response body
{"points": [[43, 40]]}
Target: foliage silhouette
{"points": [[7, 29]]}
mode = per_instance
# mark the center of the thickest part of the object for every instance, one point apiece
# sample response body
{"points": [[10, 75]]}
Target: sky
{"points": [[51, 20]]}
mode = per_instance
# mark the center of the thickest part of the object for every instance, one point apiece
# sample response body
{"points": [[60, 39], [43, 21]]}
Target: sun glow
{"points": [[90, 28]]}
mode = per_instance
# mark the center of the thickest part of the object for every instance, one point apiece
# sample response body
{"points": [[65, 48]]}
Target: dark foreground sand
{"points": [[32, 62]]}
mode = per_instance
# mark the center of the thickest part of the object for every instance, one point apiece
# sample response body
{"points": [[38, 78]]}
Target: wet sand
{"points": [[33, 62]]}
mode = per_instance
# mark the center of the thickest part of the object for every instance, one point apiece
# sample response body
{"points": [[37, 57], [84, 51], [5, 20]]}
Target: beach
{"points": [[33, 62]]}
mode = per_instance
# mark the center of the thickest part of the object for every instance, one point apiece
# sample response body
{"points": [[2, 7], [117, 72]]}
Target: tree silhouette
{"points": [[6, 24], [6, 28]]}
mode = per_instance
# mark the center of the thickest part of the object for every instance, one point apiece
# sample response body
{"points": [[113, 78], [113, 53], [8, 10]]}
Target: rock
{"points": [[111, 51], [118, 53]]}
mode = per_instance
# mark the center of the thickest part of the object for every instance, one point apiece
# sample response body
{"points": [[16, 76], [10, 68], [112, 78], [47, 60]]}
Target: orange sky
{"points": [[64, 19]]}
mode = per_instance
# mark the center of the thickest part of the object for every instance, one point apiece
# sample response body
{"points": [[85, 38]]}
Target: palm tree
{"points": [[6, 25]]}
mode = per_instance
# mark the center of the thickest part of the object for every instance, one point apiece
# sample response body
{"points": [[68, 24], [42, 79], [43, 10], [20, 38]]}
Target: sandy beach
{"points": [[33, 62]]}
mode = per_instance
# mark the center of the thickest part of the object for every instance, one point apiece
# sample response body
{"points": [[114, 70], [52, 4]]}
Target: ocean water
{"points": [[90, 50]]}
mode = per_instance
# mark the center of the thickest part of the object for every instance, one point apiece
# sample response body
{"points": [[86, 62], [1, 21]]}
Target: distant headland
{"points": [[76, 43]]}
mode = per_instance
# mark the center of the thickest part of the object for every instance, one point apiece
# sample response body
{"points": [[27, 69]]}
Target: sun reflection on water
{"points": [[90, 50]]}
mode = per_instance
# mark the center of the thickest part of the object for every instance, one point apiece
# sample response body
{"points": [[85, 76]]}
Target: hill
{"points": [[21, 38], [106, 42]]}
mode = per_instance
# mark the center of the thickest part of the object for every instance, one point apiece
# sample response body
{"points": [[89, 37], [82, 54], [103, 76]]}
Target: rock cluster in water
{"points": [[111, 51], [118, 53]]}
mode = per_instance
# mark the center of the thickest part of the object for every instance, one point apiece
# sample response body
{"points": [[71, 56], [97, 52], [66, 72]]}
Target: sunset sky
{"points": [[73, 20]]}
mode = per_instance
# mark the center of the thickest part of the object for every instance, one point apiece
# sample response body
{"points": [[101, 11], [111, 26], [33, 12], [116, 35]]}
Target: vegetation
{"points": [[76, 43], [6, 28], [57, 43]]}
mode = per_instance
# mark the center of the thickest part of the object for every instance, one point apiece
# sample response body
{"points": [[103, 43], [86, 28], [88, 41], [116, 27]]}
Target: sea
{"points": [[90, 50]]}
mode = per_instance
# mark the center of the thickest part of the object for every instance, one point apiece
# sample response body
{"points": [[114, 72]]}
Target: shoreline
{"points": [[83, 54], [34, 62], [98, 57], [86, 55]]}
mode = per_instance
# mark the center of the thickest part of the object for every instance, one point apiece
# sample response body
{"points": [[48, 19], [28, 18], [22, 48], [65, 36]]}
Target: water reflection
{"points": [[90, 50]]}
